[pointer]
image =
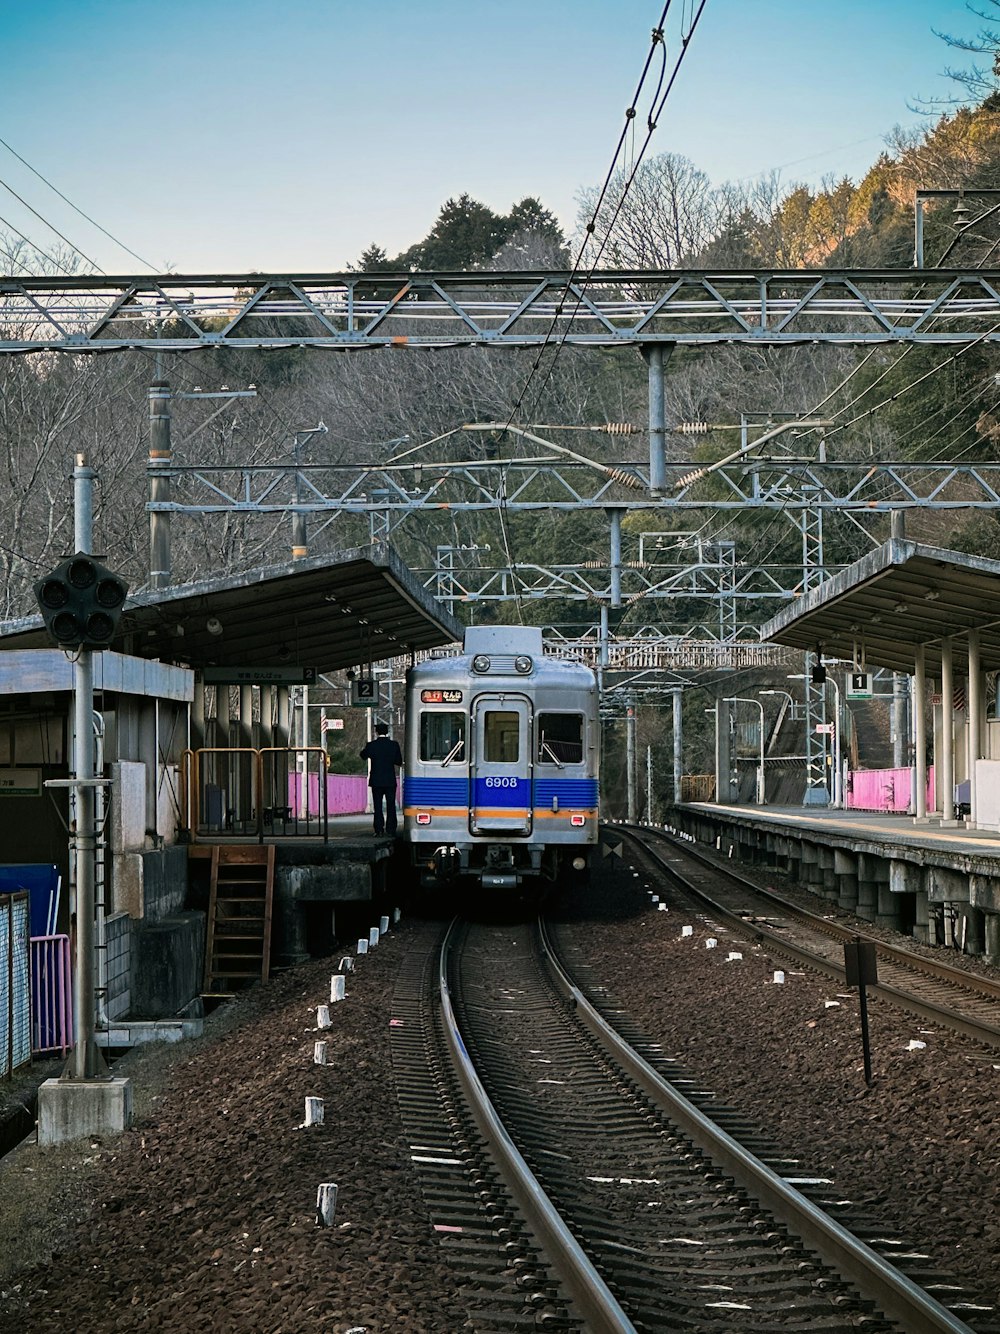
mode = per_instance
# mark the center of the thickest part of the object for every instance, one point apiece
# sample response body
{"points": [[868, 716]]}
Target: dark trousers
{"points": [[384, 824]]}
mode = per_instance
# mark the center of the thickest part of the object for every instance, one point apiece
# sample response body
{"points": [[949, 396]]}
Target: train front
{"points": [[502, 758]]}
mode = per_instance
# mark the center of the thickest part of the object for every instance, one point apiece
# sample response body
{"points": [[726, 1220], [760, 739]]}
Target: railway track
{"points": [[930, 988], [576, 1188]]}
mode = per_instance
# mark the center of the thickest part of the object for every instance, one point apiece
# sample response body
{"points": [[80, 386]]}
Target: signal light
{"points": [[81, 602]]}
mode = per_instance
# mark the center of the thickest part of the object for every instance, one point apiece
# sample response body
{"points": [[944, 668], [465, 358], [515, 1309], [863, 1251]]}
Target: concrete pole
{"points": [[723, 760], [631, 776], [616, 557], [899, 738], [947, 733], [197, 725], [246, 715], [649, 784], [159, 483], [920, 733], [656, 356], [300, 534], [975, 718], [85, 1060], [284, 716], [677, 697]]}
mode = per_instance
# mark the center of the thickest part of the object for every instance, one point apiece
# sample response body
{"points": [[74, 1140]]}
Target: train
{"points": [[502, 759]]}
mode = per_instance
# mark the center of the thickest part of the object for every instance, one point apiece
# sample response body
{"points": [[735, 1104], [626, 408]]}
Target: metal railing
{"points": [[239, 791], [51, 996]]}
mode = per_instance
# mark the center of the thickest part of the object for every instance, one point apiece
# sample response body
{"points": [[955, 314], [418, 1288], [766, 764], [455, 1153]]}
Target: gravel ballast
{"points": [[202, 1216]]}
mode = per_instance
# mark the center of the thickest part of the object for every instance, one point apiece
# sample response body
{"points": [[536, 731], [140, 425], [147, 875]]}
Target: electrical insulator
{"points": [[689, 477], [620, 428], [624, 478], [693, 428]]}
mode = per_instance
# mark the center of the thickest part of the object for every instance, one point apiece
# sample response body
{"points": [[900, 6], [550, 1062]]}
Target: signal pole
{"points": [[80, 603], [86, 1061]]}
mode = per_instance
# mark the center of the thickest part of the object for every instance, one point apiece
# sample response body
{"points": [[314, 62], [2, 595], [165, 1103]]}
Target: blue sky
{"points": [[229, 135]]}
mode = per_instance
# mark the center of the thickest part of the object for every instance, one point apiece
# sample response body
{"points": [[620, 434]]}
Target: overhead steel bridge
{"points": [[610, 308]]}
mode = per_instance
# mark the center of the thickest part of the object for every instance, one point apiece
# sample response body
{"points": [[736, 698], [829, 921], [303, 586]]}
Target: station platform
{"points": [[938, 883], [879, 826], [352, 866]]}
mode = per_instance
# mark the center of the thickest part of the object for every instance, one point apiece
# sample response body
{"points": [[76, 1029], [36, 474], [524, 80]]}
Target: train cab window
{"points": [[501, 737], [560, 738], [442, 737]]}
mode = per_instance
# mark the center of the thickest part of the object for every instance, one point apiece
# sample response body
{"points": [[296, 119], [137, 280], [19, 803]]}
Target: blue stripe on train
{"points": [[573, 792], [436, 791], [578, 792]]}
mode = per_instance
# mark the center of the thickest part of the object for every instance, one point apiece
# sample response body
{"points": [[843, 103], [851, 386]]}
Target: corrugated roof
{"points": [[904, 594], [329, 612]]}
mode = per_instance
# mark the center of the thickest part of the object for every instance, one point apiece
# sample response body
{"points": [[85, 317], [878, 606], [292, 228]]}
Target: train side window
{"points": [[442, 737], [560, 738], [501, 737]]}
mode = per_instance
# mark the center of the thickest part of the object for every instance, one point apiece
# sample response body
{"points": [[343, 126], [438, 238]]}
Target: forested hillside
{"points": [[890, 403]]}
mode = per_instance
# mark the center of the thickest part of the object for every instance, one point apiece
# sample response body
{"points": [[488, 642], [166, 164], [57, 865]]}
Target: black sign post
{"points": [[862, 969]]}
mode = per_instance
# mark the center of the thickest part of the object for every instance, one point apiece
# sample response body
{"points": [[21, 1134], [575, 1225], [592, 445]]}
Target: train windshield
{"points": [[560, 738], [501, 737], [442, 737]]}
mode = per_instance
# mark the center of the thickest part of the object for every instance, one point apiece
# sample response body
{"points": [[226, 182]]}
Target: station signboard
{"points": [[859, 686], [364, 692], [259, 676]]}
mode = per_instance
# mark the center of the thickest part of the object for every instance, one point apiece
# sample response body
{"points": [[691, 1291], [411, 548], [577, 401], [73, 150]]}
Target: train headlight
{"points": [[578, 821], [523, 665], [579, 863], [480, 663]]}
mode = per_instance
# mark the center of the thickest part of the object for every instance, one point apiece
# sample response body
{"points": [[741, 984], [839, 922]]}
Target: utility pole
{"points": [[160, 461], [159, 481]]}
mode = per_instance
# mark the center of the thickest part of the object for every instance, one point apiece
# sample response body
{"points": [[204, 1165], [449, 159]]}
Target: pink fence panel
{"points": [[884, 789], [346, 794], [51, 995]]}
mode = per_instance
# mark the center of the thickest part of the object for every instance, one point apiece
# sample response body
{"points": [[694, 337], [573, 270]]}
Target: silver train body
{"points": [[501, 767]]}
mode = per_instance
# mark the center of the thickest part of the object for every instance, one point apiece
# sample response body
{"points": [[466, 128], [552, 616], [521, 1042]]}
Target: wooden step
{"points": [[238, 939]]}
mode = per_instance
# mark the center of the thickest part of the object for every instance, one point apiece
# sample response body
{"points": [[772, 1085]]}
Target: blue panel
{"points": [[41, 880], [499, 792], [435, 791], [573, 792]]}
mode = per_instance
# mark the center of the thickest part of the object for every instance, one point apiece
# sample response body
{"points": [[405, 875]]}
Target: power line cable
{"points": [[52, 228], [76, 209], [657, 104], [37, 249]]}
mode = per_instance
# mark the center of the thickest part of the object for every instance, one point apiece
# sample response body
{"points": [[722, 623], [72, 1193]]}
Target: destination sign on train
{"points": [[440, 697]]}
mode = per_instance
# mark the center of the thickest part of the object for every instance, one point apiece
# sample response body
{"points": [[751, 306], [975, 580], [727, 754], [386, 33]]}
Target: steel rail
{"points": [[898, 1296], [933, 1013], [588, 1292]]}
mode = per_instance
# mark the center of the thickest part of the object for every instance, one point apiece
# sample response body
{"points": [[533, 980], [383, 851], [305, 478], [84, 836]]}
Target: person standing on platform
{"points": [[385, 760]]}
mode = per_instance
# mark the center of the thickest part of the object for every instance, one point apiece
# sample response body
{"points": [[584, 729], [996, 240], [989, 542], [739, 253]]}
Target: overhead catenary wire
{"points": [[657, 105], [51, 226], [36, 248], [93, 222]]}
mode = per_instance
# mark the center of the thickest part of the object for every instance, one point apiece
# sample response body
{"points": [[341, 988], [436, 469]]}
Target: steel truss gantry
{"points": [[547, 483], [609, 308]]}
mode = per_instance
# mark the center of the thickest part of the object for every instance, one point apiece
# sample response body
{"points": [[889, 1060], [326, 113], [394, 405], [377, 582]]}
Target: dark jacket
{"points": [[384, 755]]}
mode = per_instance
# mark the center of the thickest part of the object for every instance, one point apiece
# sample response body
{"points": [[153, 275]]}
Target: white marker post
{"points": [[326, 1203]]}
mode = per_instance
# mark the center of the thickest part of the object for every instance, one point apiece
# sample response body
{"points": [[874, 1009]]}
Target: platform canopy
{"points": [[876, 611], [327, 612]]}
